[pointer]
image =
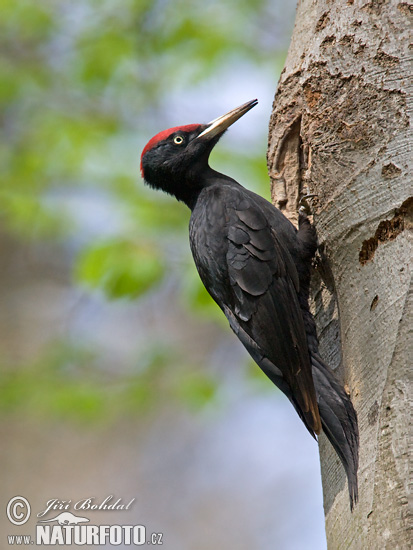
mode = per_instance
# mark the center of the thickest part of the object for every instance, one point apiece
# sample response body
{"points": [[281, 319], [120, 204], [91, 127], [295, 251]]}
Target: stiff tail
{"points": [[339, 420], [338, 417]]}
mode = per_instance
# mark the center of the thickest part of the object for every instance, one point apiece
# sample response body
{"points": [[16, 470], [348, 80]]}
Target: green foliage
{"points": [[21, 211], [62, 384], [82, 90], [196, 389], [197, 299], [120, 268], [77, 83]]}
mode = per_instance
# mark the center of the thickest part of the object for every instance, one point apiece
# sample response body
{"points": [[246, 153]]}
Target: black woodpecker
{"points": [[256, 266]]}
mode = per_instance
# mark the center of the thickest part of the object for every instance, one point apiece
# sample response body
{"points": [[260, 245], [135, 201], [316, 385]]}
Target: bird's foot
{"points": [[303, 206]]}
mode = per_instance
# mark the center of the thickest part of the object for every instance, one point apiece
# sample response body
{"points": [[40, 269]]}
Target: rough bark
{"points": [[340, 128]]}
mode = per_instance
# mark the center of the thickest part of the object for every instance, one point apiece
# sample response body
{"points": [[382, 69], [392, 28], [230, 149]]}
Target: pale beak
{"points": [[223, 122]]}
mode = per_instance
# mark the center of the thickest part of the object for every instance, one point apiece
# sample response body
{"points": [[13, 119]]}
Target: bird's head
{"points": [[176, 160]]}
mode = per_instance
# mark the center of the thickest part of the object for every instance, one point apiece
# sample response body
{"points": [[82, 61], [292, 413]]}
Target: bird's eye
{"points": [[178, 140]]}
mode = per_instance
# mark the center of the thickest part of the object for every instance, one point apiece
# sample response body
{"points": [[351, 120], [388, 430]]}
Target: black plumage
{"points": [[256, 266]]}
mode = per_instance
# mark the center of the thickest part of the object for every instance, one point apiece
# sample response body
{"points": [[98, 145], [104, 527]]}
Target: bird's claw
{"points": [[303, 206]]}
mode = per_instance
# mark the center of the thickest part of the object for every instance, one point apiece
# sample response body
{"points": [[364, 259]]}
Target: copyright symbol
{"points": [[15, 516]]}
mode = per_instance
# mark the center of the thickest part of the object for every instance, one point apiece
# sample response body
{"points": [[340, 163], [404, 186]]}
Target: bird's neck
{"points": [[191, 192]]}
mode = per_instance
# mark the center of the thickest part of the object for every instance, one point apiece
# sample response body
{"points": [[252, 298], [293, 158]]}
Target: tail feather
{"points": [[338, 417], [339, 420]]}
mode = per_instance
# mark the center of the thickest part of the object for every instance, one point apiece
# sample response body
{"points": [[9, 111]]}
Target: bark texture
{"points": [[340, 128]]}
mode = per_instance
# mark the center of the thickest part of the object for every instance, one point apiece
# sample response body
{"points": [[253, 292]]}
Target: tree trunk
{"points": [[340, 129]]}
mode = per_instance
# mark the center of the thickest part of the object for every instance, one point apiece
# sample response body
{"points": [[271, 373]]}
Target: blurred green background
{"points": [[106, 330]]}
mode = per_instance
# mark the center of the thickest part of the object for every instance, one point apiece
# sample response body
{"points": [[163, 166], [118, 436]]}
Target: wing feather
{"points": [[264, 281], [252, 277]]}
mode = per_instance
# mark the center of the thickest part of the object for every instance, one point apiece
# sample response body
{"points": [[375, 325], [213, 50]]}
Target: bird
{"points": [[256, 265]]}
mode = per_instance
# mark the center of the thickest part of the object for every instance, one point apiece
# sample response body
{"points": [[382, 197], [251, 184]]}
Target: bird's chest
{"points": [[209, 245]]}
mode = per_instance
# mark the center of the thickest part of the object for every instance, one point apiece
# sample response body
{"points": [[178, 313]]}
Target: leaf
{"points": [[120, 268], [196, 389]]}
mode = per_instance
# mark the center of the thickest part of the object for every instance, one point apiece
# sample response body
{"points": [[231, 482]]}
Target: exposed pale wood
{"points": [[340, 128]]}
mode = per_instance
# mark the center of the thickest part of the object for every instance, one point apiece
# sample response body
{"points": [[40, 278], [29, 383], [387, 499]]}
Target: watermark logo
{"points": [[66, 528], [18, 510], [66, 518]]}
